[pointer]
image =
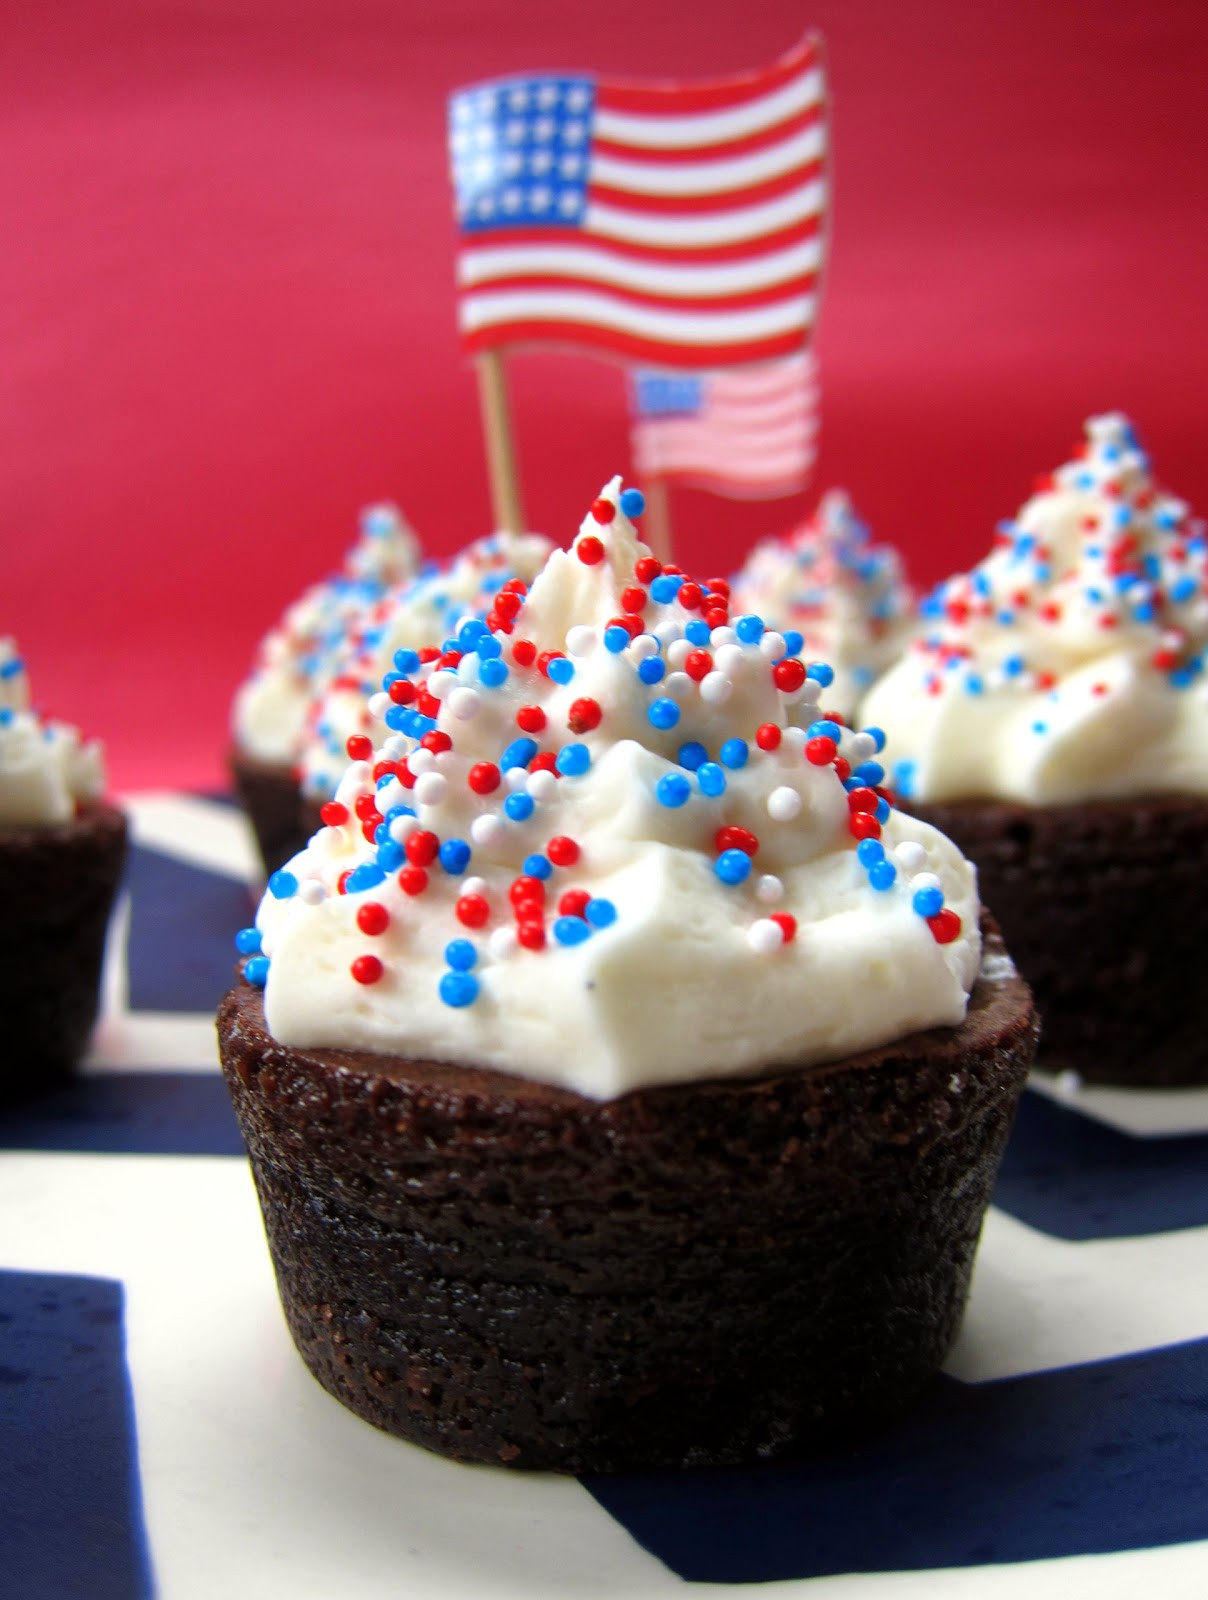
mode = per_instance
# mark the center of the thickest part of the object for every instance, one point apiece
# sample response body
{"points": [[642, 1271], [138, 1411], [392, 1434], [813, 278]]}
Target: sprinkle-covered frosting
{"points": [[834, 593], [614, 838], [349, 699], [1068, 665], [46, 771], [269, 711]]}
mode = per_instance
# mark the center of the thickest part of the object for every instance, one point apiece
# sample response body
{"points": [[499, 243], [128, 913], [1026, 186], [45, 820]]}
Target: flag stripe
{"points": [[627, 250], [788, 292], [710, 179], [679, 233], [629, 346], [588, 262], [600, 309], [812, 116], [719, 97]]}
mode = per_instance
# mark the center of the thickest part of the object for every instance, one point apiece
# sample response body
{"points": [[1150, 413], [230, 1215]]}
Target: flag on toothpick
{"points": [[746, 432], [679, 225]]}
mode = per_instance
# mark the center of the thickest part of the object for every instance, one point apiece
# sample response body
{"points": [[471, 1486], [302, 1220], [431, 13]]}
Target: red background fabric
{"points": [[226, 303]]}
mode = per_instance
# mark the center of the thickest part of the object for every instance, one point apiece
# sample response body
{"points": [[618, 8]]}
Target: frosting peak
{"points": [[609, 840], [46, 770]]}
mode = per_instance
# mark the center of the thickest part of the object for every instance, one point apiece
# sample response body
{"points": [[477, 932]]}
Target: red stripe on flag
{"points": [[740, 250], [684, 205], [747, 145], [784, 290], [680, 99], [632, 347]]}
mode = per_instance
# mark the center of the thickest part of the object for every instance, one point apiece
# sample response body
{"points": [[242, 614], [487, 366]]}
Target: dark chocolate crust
{"points": [[706, 1273], [1103, 906], [57, 887], [268, 794]]}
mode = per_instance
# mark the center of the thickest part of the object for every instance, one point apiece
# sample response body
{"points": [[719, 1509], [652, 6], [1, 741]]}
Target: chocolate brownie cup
{"points": [[1052, 723], [268, 796], [507, 1271], [616, 1096], [62, 849]]}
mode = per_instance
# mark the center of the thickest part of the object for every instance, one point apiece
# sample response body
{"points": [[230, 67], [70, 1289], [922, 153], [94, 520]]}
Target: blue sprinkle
{"points": [[519, 806], [882, 873], [869, 852], [691, 754], [537, 866], [461, 955], [1040, 727], [633, 502], [652, 669], [663, 713], [488, 646], [390, 856], [469, 634], [6, 717], [600, 913], [282, 885], [872, 772], [793, 643], [697, 632], [1183, 589], [749, 628], [712, 779], [733, 866], [560, 670], [974, 684], [904, 775], [824, 730], [665, 587], [459, 989], [1013, 666], [573, 760], [571, 930], [256, 971], [518, 754], [455, 856], [672, 790], [877, 735], [367, 876], [882, 811], [734, 754], [821, 673], [1006, 619], [493, 673], [396, 718], [247, 941], [407, 662], [396, 812], [616, 639], [10, 669], [929, 901], [1144, 612]]}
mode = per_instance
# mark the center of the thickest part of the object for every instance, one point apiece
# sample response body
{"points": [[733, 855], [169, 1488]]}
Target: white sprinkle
{"points": [[793, 738], [379, 704], [678, 685], [502, 943], [311, 892], [402, 828], [431, 788], [644, 645], [769, 889], [925, 880], [391, 794], [716, 688], [771, 646], [486, 830], [421, 761], [809, 693], [516, 778], [473, 886], [720, 637], [467, 667], [581, 641], [783, 804], [678, 652], [442, 683], [910, 855], [860, 747], [395, 747], [764, 936], [729, 657], [465, 704], [541, 784]]}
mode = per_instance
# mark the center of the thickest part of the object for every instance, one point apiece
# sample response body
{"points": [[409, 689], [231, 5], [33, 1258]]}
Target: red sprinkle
{"points": [[716, 616], [634, 600], [428, 704], [690, 595], [484, 777], [365, 806], [413, 880], [436, 741], [547, 761], [863, 800], [524, 652], [820, 752], [369, 829], [563, 852], [767, 736], [334, 814], [573, 903], [507, 604], [473, 910], [366, 969], [788, 674], [590, 551], [402, 691], [647, 569], [584, 715], [372, 918], [531, 935], [359, 747], [530, 718], [698, 664], [732, 837], [603, 510], [718, 586], [526, 891], [863, 825], [787, 924], [342, 882], [945, 926], [422, 847], [842, 768]]}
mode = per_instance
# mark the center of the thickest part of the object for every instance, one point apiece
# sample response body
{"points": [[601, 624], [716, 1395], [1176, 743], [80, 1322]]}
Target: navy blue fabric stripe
{"points": [[1074, 1178], [1096, 1458], [183, 922], [128, 1113], [72, 1527]]}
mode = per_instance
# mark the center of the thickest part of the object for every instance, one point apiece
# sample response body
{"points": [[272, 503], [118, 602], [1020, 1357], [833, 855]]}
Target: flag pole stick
{"points": [[506, 506], [656, 520]]}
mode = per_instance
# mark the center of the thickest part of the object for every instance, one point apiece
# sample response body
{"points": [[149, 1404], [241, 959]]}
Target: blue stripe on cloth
{"points": [[128, 1113], [1075, 1178], [183, 922], [1088, 1459], [72, 1527]]}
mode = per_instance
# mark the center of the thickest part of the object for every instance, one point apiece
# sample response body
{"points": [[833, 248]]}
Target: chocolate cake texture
{"points": [[268, 795], [703, 1273]]}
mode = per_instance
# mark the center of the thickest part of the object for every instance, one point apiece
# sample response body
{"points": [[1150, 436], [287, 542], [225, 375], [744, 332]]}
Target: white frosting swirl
{"points": [[268, 716], [585, 922], [46, 770], [1069, 664], [419, 612], [846, 596]]}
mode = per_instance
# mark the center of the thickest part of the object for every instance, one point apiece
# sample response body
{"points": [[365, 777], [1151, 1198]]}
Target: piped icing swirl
{"points": [[1069, 664], [46, 770], [845, 597], [268, 716], [613, 841]]}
